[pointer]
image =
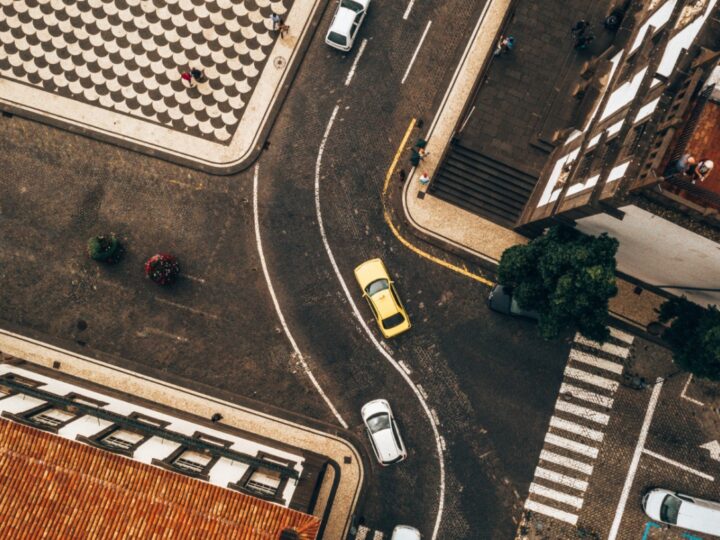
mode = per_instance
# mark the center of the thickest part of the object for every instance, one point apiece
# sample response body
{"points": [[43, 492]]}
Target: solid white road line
{"points": [[592, 360], [569, 481], [589, 378], [678, 465], [417, 50], [582, 412], [622, 336], [577, 429], [371, 336], [617, 350], [408, 10], [635, 460], [566, 462], [586, 395], [280, 315], [549, 511], [555, 495], [571, 445], [355, 62]]}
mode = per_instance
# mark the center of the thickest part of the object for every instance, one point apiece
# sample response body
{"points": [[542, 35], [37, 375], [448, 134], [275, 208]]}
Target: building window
{"points": [[123, 439], [265, 483], [52, 417], [6, 391], [193, 461]]}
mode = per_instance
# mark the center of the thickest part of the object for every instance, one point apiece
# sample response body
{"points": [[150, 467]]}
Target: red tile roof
{"points": [[57, 488]]}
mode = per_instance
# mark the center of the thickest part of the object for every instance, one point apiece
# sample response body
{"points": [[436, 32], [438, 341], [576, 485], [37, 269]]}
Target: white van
{"points": [[683, 511]]}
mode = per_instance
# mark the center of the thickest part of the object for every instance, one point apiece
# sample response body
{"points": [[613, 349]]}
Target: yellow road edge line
{"points": [[397, 157], [462, 271]]}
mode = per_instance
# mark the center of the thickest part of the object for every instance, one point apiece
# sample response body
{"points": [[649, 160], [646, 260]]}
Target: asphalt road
{"points": [[490, 380]]}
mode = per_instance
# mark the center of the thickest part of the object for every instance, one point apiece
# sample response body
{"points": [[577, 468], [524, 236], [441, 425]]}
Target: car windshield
{"points": [[351, 4], [670, 509], [392, 322], [337, 38], [378, 422], [377, 286]]}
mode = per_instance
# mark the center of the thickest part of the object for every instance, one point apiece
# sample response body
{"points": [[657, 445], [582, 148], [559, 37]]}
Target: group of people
{"points": [[688, 165]]}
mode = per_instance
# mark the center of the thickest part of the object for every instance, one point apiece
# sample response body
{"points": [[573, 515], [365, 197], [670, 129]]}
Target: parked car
{"points": [[379, 291], [348, 17], [405, 532], [683, 511], [383, 432], [501, 300]]}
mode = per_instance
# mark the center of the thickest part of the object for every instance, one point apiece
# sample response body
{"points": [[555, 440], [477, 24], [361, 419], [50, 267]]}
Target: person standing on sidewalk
{"points": [[276, 22], [424, 179], [187, 79], [198, 75], [505, 45]]}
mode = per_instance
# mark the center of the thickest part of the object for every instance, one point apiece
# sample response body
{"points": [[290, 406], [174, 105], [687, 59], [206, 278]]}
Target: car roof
{"points": [[699, 517], [405, 532], [385, 444], [385, 304], [343, 21]]}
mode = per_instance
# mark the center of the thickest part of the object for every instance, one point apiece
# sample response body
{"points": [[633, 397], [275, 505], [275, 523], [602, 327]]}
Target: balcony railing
{"points": [[683, 186]]}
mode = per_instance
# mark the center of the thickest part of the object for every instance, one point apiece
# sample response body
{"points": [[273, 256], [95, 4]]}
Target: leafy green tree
{"points": [[105, 248], [567, 277], [694, 335]]}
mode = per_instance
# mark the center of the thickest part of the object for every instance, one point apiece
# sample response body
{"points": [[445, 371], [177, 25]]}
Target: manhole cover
{"points": [[279, 62]]}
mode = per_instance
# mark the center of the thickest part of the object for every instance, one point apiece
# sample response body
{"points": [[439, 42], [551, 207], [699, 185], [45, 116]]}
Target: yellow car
{"points": [[379, 291]]}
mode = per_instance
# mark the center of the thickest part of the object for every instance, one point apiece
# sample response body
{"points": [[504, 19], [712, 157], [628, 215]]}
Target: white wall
{"points": [[659, 252]]}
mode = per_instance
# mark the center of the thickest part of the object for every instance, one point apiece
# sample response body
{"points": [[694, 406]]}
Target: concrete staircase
{"points": [[482, 185]]}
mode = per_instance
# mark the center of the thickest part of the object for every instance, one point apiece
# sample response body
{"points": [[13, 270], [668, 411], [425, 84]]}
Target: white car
{"points": [[683, 511], [346, 22], [405, 532], [383, 431]]}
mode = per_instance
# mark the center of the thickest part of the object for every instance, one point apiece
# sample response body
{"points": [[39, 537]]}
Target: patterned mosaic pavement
{"points": [[119, 63]]}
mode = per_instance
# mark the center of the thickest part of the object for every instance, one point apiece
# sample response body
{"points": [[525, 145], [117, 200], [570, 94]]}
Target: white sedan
{"points": [[383, 431], [346, 22]]}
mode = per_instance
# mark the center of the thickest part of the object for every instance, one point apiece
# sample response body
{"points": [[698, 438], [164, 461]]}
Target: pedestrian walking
{"points": [[424, 179], [423, 153], [402, 175], [505, 45], [283, 29], [198, 75], [582, 34], [187, 79], [702, 170], [275, 21]]}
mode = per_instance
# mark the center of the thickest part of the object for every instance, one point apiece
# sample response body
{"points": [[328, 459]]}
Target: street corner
{"points": [[197, 83]]}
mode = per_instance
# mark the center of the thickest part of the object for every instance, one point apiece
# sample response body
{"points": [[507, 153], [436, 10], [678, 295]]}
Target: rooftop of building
{"points": [[50, 483]]}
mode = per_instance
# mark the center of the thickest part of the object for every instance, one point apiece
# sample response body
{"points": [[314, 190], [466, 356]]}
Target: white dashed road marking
{"points": [[355, 62], [394, 363], [417, 50], [560, 481]]}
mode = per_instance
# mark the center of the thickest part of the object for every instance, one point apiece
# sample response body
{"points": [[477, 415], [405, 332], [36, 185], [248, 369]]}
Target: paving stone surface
{"points": [[115, 66]]}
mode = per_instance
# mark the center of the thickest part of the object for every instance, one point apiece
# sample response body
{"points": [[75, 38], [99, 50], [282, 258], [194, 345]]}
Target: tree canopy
{"points": [[694, 335], [567, 277]]}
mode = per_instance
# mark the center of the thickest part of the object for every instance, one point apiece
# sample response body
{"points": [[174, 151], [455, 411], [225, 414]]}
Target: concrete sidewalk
{"points": [[435, 219], [342, 452]]}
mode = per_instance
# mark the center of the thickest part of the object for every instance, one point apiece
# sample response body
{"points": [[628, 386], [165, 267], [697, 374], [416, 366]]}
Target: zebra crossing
{"points": [[576, 431]]}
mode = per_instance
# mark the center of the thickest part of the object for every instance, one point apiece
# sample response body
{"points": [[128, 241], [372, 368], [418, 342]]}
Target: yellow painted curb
{"points": [[460, 270]]}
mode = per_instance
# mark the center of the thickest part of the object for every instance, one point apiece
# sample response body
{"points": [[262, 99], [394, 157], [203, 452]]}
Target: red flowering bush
{"points": [[162, 268]]}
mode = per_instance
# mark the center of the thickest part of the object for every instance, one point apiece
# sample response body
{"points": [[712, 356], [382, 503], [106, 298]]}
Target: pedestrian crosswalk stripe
{"points": [[566, 462], [362, 533], [622, 336], [583, 412], [378, 536], [563, 479], [617, 350], [586, 395], [577, 429], [549, 511], [559, 496], [589, 378], [571, 445], [591, 360]]}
